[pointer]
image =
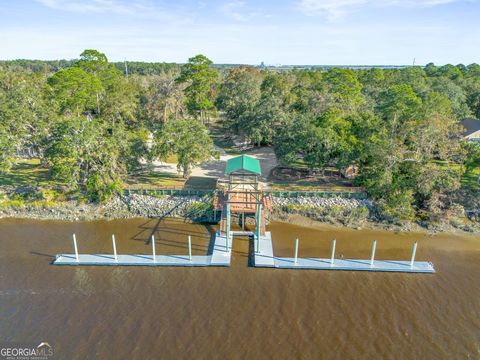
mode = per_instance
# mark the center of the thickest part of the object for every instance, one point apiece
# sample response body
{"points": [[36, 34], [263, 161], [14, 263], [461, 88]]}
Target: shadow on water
{"points": [[42, 254], [173, 234], [251, 251], [240, 240], [211, 243], [159, 226], [51, 258]]}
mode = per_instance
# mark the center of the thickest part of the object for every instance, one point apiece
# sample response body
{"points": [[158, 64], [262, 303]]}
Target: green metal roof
{"points": [[243, 162]]}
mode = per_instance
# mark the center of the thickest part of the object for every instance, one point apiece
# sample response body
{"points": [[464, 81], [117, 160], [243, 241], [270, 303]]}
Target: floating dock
{"points": [[263, 258], [222, 251], [355, 265], [264, 251], [411, 266], [132, 260], [221, 255]]}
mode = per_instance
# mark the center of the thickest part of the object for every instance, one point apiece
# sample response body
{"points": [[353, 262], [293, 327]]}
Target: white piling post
{"points": [[153, 248], [296, 250], [189, 248], [374, 247], [414, 252], [75, 246], [114, 247], [334, 243]]}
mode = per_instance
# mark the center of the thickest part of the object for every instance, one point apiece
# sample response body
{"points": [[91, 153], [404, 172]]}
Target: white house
{"points": [[472, 129]]}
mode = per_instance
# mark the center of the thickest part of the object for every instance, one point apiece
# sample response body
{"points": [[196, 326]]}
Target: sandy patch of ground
{"points": [[216, 168]]}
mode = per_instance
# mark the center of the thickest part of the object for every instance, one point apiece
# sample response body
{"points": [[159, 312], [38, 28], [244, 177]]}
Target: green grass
{"points": [[27, 173], [310, 186], [166, 180], [201, 183], [155, 179], [31, 173], [470, 178], [301, 180]]}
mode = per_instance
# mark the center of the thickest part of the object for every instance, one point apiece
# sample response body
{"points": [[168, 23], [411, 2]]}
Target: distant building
{"points": [[472, 129]]}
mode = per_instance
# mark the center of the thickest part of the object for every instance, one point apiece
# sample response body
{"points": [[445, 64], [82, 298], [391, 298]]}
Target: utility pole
{"points": [[126, 66]]}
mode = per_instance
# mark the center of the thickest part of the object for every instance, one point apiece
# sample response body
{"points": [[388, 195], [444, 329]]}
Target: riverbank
{"points": [[310, 212]]}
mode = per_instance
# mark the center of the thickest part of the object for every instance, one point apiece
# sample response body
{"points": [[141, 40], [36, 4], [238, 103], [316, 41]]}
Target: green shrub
{"points": [[355, 215], [101, 190], [50, 195], [15, 203], [199, 210], [398, 206]]}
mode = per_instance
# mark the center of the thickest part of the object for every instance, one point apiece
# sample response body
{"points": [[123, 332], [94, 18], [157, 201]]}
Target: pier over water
{"points": [[244, 197]]}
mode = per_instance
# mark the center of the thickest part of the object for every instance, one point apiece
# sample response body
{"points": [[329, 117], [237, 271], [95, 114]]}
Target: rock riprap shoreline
{"points": [[334, 210], [322, 202], [151, 206]]}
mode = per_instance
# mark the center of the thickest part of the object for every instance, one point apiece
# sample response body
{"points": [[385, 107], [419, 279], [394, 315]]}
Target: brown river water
{"points": [[238, 312]]}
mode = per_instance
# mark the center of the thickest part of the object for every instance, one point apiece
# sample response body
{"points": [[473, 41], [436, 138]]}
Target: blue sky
{"points": [[245, 31]]}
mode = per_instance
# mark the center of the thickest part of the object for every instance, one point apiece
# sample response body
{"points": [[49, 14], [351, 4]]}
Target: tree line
{"points": [[400, 127], [92, 123]]}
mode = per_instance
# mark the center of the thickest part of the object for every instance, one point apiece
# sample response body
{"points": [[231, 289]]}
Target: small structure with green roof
{"points": [[243, 195], [243, 163]]}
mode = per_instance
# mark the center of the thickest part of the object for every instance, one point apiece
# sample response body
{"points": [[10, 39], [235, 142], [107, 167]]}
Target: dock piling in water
{"points": [[296, 250], [332, 259], [189, 248], [374, 247], [414, 252], [153, 248], [75, 246], [114, 247]]}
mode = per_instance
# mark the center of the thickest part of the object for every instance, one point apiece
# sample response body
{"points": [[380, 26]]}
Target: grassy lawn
{"points": [[311, 186], [154, 180], [470, 178], [201, 183], [27, 173], [165, 180], [31, 173], [296, 177]]}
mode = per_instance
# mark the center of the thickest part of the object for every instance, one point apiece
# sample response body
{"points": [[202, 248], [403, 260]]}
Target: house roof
{"points": [[245, 163], [471, 126]]}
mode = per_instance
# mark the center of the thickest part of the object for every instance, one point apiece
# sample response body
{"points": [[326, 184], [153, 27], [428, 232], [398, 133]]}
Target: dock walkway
{"points": [[355, 265], [220, 257], [263, 258]]}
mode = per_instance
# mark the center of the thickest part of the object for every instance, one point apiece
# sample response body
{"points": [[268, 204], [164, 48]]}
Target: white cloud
{"points": [[333, 9], [98, 6], [121, 7], [237, 10]]}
